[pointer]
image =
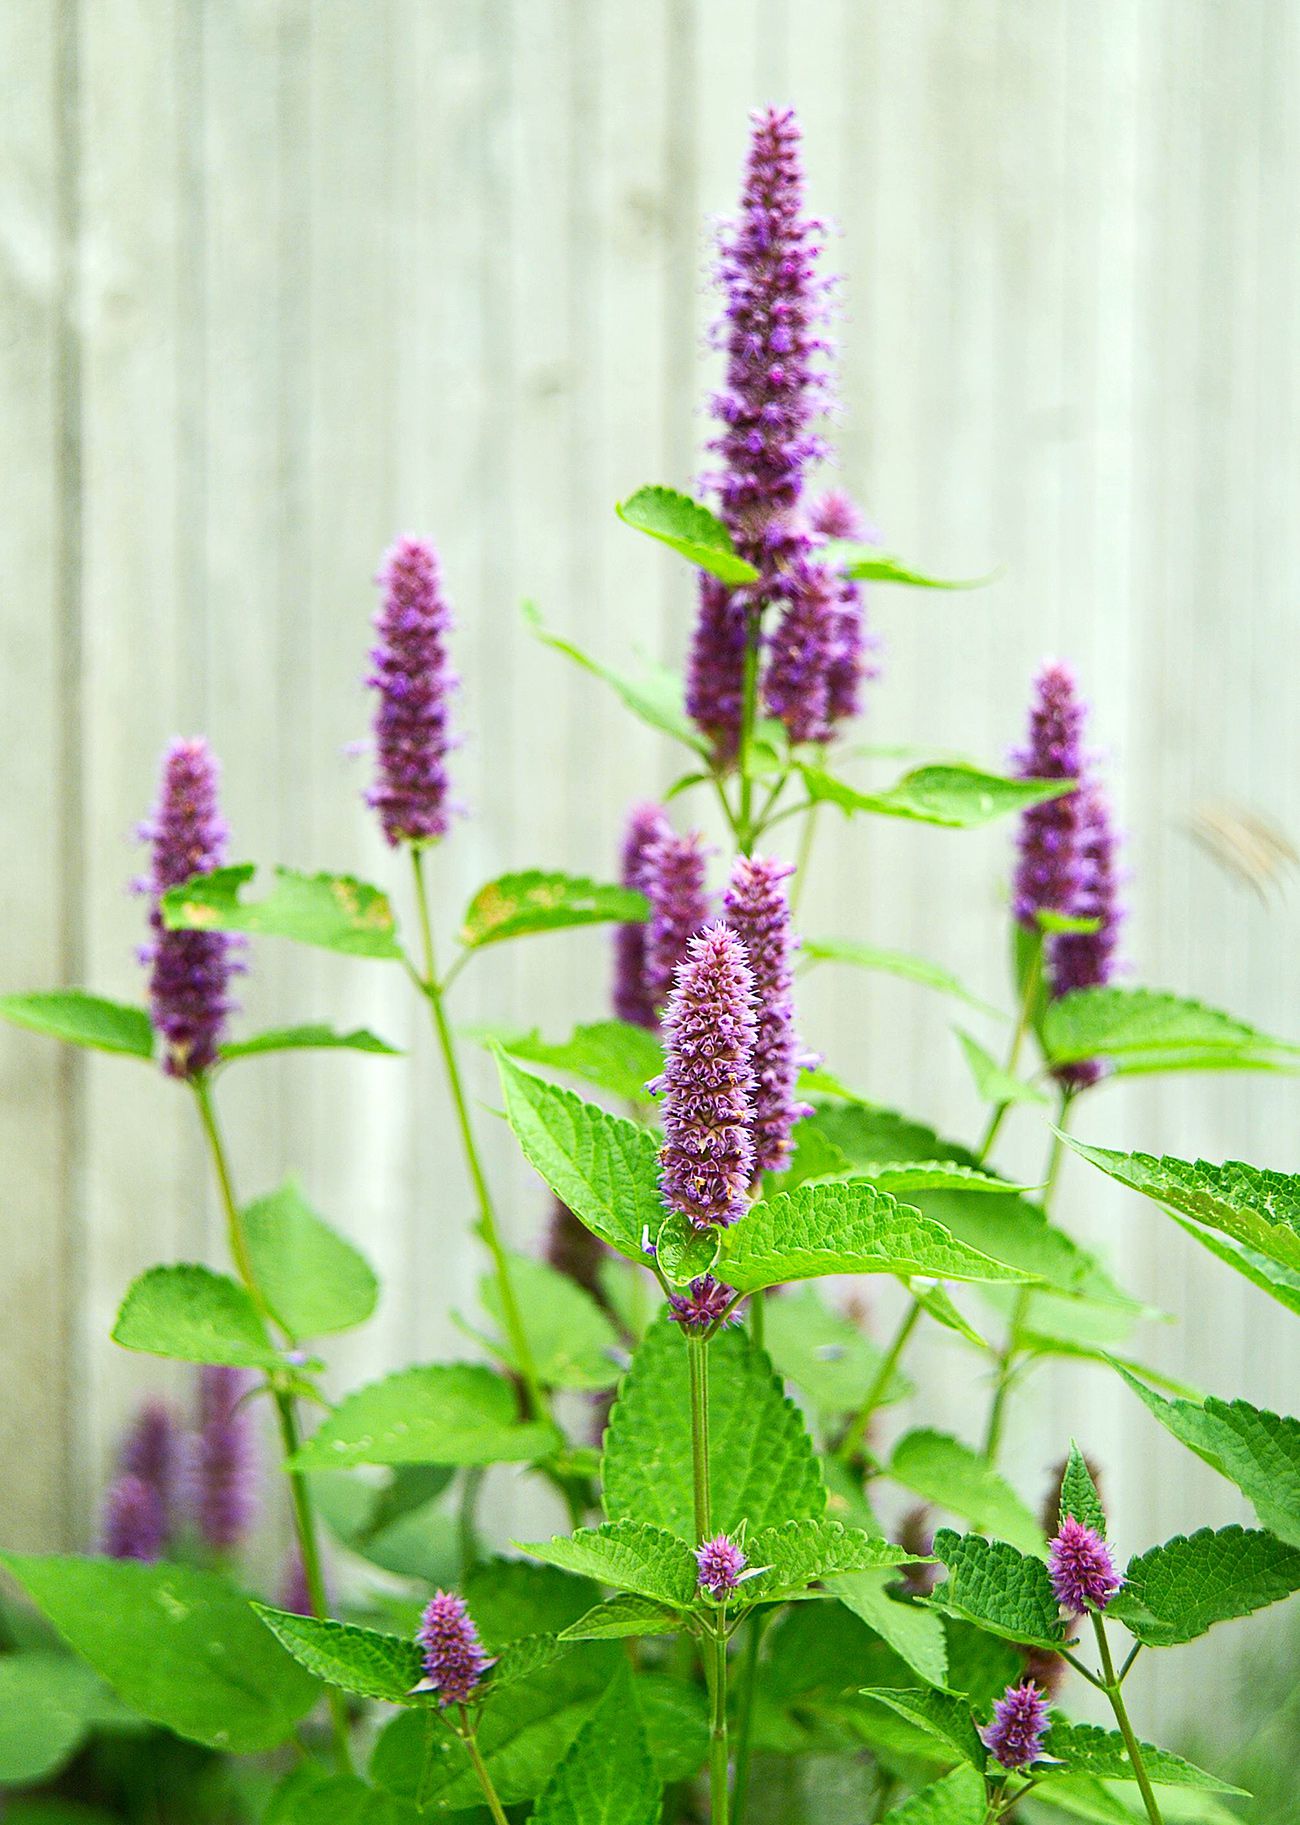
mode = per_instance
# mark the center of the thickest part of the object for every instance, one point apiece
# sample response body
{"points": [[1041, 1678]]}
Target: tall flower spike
{"points": [[1080, 960], [414, 681], [757, 910], [134, 1525], [454, 1661], [679, 901], [708, 1081], [151, 1451], [189, 971], [646, 826], [1082, 1571], [1051, 869], [801, 650], [1015, 1736], [224, 1467]]}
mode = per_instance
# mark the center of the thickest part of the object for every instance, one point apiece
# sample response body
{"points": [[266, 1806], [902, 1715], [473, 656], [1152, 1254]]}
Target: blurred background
{"points": [[281, 279]]}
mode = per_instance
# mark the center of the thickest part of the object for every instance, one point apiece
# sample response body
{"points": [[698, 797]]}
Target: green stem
{"points": [[466, 1528], [719, 1805], [1117, 1705], [487, 1223], [748, 713], [304, 1518], [889, 1362], [1027, 998], [757, 1317], [698, 1358], [749, 1674], [470, 1739], [802, 858]]}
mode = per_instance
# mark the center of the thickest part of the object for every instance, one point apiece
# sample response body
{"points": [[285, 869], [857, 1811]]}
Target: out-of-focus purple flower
{"points": [[807, 640], [675, 870], [708, 1081], [836, 515], [1051, 868], [1015, 1736], [224, 1463], [715, 669], [414, 681], [152, 1452], [647, 825], [916, 1535], [135, 1523], [850, 660], [1081, 960], [757, 910], [1082, 1571], [721, 1562], [572, 1249], [295, 1595], [454, 1661], [189, 971], [702, 1304]]}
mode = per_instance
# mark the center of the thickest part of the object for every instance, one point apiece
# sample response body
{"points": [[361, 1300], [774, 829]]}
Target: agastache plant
{"points": [[743, 1555]]}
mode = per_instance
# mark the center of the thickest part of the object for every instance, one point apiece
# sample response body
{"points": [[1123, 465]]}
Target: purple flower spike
{"points": [[646, 826], [702, 1305], [1051, 868], [715, 670], [189, 971], [454, 1661], [807, 641], [1082, 1571], [1082, 960], [224, 1466], [721, 1562], [757, 910], [152, 1452], [708, 1081], [675, 882], [413, 678], [135, 1523], [294, 1594], [1015, 1737]]}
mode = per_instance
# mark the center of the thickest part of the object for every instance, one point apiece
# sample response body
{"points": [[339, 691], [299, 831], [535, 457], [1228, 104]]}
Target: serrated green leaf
{"points": [[1257, 1450], [997, 1588], [515, 905], [654, 694], [763, 1468], [513, 1598], [1177, 1591], [958, 798], [607, 1777], [629, 1555], [611, 1054], [604, 1168], [867, 563], [800, 1553], [190, 1313], [688, 528], [357, 1660], [1125, 1023], [893, 963], [313, 1038], [993, 1082], [314, 1281], [951, 1475], [1088, 1749], [181, 1647], [442, 1413], [622, 1616], [1036, 1344], [1079, 1796], [572, 1341], [825, 1354], [914, 1633], [938, 1175], [332, 912], [48, 1703], [937, 1303], [957, 1799], [813, 1157], [675, 1717], [1079, 1498], [942, 1715], [1280, 1283], [683, 1252], [80, 1019], [338, 1799], [845, 1227]]}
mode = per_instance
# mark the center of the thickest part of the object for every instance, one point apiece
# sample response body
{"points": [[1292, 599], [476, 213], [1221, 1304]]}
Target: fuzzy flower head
{"points": [[224, 1464], [189, 971], [674, 880], [836, 515], [152, 1452], [134, 1522], [708, 1081], [1080, 960], [806, 642], [454, 1661], [702, 1304], [721, 1563], [414, 683], [1052, 870], [1082, 1571], [757, 909], [715, 667], [1015, 1736], [647, 825]]}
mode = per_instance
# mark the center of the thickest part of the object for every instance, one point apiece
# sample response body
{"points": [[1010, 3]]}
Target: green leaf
{"points": [[1257, 1450], [814, 1157], [1254, 1207], [48, 1703], [997, 1588], [654, 694], [1128, 1024], [195, 1315], [993, 1083], [942, 1715], [845, 1227], [80, 1019], [936, 1302], [1079, 1498], [799, 1553], [825, 1354], [937, 1175], [915, 1633], [953, 1476], [959, 798], [687, 527], [675, 1717], [957, 1799], [572, 1341], [867, 563], [607, 1778], [314, 1038], [1088, 1749], [339, 1799], [514, 905], [1280, 1283], [893, 963], [685, 1253], [624, 1615], [604, 1168], [333, 911], [180, 1646], [357, 1660], [314, 1281], [442, 1413], [511, 1598], [630, 1555], [612, 1054], [763, 1468], [1177, 1591]]}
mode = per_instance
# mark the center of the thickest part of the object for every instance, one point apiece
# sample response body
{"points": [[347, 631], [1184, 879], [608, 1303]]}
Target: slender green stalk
{"points": [[1028, 996], [697, 1352], [1117, 1705], [719, 1801], [487, 1222], [748, 714], [857, 1426], [749, 1675], [803, 857], [469, 1737], [757, 1317], [466, 1526], [304, 1517]]}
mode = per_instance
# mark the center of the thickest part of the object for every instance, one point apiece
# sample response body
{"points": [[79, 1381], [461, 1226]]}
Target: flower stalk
{"points": [[1112, 1686]]}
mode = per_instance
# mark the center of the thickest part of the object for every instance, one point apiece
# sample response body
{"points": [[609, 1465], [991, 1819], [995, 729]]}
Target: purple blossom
{"points": [[573, 1250], [715, 668], [757, 910], [836, 515], [1051, 869], [189, 971], [454, 1661], [708, 1081], [702, 1305], [224, 1465], [1015, 1737], [679, 906], [413, 678], [152, 1452], [294, 1594], [647, 825], [1079, 960], [1082, 1571], [808, 640], [721, 1562], [135, 1522]]}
